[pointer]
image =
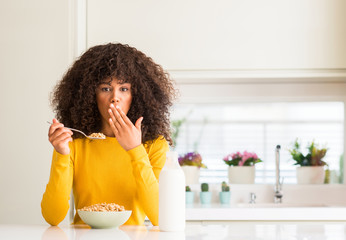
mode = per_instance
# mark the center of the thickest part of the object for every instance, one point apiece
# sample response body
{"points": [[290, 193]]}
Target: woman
{"points": [[118, 91]]}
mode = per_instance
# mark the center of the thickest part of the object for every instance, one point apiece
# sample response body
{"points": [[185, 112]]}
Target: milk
{"points": [[172, 195]]}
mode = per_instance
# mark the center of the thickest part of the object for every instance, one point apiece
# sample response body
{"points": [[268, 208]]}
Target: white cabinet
{"points": [[225, 34]]}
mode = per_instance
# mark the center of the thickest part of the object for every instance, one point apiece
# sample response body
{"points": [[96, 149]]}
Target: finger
{"points": [[66, 140], [112, 115], [117, 115], [60, 138], [60, 130], [57, 133], [114, 129], [123, 116], [119, 118], [139, 123], [54, 127], [114, 121], [118, 126]]}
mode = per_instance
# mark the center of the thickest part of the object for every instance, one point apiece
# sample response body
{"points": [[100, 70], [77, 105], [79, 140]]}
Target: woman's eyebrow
{"points": [[107, 83]]}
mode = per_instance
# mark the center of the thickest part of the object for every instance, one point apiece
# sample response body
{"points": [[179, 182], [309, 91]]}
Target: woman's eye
{"points": [[124, 89], [105, 89]]}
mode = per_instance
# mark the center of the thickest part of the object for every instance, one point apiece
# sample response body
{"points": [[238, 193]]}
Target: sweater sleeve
{"points": [[55, 200], [146, 169]]}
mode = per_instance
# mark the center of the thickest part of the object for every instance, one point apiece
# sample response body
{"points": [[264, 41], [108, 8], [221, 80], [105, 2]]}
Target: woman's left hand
{"points": [[128, 135]]}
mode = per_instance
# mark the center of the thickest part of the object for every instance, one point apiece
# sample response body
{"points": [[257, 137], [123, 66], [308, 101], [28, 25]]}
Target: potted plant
{"points": [[176, 125], [311, 165], [225, 194], [191, 163], [205, 195], [241, 168], [189, 196]]}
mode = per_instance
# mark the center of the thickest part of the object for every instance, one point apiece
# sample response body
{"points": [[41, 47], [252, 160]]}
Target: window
{"points": [[216, 129]]}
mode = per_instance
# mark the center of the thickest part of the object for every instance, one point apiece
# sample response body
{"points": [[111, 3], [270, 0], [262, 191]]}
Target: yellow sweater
{"points": [[102, 171]]}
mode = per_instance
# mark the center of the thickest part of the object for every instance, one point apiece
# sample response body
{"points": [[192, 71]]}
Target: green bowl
{"points": [[104, 219]]}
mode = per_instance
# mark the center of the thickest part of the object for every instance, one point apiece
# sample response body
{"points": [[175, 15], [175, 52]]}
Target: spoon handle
{"points": [[77, 131], [72, 130]]}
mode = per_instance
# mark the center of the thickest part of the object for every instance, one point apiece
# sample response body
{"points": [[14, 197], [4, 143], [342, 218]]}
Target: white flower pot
{"points": [[241, 174], [191, 174], [310, 175]]}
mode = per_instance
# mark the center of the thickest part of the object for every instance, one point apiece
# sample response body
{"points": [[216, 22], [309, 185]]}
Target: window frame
{"points": [[276, 86]]}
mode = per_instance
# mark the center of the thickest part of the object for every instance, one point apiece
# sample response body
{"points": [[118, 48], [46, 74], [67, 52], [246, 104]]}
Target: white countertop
{"points": [[218, 212], [229, 230]]}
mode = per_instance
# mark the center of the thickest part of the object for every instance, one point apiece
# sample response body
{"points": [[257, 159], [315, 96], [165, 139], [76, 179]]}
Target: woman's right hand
{"points": [[59, 137]]}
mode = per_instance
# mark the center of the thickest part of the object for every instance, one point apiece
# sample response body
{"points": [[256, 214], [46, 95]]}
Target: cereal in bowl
{"points": [[104, 207]]}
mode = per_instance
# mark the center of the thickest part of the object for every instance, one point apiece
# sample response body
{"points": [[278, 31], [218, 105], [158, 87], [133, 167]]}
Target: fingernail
{"points": [[112, 105], [117, 107]]}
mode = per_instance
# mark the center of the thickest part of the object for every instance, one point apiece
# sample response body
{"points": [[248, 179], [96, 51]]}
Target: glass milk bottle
{"points": [[172, 195]]}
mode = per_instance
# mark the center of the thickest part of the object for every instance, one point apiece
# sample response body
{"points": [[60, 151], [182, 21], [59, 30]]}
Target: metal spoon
{"points": [[76, 130]]}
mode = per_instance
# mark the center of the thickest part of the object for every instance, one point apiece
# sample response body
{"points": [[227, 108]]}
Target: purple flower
{"points": [[191, 159]]}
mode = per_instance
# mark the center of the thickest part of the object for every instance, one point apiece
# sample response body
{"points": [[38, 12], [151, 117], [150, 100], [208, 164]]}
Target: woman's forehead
{"points": [[110, 80]]}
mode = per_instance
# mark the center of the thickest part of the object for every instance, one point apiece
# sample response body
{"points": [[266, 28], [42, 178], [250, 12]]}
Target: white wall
{"points": [[34, 46]]}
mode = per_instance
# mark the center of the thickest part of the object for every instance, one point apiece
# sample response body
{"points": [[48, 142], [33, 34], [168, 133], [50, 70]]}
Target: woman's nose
{"points": [[115, 98]]}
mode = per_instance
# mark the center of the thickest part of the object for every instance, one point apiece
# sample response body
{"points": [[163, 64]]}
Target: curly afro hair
{"points": [[74, 97]]}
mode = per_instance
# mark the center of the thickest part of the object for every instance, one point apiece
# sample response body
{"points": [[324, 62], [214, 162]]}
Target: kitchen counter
{"points": [[310, 202], [193, 231], [258, 212]]}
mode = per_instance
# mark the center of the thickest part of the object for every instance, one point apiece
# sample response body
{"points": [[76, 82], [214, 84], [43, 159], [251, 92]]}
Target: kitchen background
{"points": [[269, 69]]}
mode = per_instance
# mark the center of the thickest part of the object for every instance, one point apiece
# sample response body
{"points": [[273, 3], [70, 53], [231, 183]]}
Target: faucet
{"points": [[278, 185], [252, 198]]}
